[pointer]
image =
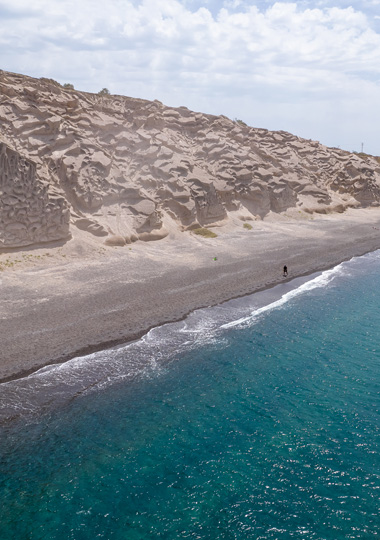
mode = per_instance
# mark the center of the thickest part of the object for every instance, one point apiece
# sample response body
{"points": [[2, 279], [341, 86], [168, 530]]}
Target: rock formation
{"points": [[124, 168], [31, 211]]}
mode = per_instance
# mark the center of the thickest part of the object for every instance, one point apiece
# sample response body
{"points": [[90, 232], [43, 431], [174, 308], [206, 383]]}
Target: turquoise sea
{"points": [[256, 419]]}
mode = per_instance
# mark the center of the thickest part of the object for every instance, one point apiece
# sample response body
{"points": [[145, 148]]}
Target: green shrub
{"points": [[247, 226], [205, 232], [50, 81], [68, 86], [104, 92]]}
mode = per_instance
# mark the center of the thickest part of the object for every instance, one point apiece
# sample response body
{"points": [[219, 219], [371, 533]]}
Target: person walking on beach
{"points": [[285, 270]]}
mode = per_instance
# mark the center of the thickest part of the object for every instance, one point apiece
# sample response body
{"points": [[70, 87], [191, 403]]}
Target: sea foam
{"points": [[54, 385]]}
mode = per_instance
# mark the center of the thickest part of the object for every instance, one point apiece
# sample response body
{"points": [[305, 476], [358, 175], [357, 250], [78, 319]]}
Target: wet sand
{"points": [[55, 308]]}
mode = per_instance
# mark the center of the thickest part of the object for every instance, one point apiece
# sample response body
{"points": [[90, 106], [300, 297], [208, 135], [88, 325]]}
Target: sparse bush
{"points": [[363, 155], [240, 122], [205, 232], [49, 81], [68, 86], [247, 226], [104, 92]]}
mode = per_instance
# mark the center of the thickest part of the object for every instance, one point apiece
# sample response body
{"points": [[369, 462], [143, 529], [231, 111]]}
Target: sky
{"points": [[311, 68]]}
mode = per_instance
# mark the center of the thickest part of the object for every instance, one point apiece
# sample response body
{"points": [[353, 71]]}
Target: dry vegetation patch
{"points": [[205, 232]]}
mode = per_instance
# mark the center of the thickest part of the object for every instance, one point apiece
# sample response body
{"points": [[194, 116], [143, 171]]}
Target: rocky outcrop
{"points": [[128, 168], [31, 211]]}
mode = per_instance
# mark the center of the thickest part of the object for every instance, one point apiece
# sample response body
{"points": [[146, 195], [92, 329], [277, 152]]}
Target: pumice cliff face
{"points": [[31, 211], [118, 166]]}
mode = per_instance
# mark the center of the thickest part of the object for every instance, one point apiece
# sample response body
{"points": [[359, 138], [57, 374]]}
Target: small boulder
{"points": [[158, 234], [115, 241]]}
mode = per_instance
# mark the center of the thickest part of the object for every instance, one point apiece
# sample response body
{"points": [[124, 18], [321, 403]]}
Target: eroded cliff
{"points": [[129, 168], [31, 210]]}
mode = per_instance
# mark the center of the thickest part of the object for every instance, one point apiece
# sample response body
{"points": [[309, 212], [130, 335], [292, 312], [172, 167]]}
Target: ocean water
{"points": [[257, 419]]}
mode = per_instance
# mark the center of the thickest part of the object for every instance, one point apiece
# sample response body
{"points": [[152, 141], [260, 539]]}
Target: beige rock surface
{"points": [[31, 210], [124, 166]]}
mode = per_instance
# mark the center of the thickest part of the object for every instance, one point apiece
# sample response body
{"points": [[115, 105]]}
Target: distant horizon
{"points": [[312, 69]]}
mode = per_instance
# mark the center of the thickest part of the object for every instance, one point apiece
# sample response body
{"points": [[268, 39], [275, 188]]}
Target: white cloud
{"points": [[279, 58]]}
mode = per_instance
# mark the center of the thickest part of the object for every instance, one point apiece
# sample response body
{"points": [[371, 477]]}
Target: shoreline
{"points": [[90, 349], [63, 311]]}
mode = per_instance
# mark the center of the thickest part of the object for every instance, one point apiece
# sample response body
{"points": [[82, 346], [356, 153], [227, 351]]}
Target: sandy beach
{"points": [[65, 301]]}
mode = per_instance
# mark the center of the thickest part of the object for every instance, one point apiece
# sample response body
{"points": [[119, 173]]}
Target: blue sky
{"points": [[311, 68]]}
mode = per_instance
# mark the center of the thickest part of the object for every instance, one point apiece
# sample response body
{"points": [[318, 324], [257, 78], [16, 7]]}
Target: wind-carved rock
{"points": [[208, 205], [133, 169], [30, 210]]}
